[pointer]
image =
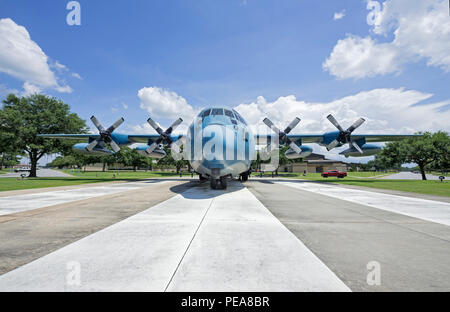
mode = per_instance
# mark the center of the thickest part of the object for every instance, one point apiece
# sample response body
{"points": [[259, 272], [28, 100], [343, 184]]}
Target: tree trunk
{"points": [[104, 167], [422, 171], [134, 168], [33, 162], [2, 161]]}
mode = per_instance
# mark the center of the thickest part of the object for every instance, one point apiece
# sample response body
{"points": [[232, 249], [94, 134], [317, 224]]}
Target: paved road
{"points": [[41, 173], [410, 176], [264, 235]]}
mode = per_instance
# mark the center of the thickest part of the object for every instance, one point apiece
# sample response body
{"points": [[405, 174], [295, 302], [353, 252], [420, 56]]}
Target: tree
{"points": [[424, 150], [7, 146], [168, 161], [441, 144], [26, 117], [108, 160]]}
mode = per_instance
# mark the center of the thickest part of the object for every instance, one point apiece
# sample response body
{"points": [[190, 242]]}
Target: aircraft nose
{"points": [[217, 142]]}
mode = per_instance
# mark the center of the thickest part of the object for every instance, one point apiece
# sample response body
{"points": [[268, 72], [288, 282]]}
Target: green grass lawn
{"points": [[3, 171], [431, 187]]}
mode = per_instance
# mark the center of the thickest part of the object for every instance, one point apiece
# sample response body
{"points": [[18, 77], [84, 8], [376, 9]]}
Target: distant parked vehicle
{"points": [[22, 169], [334, 173]]}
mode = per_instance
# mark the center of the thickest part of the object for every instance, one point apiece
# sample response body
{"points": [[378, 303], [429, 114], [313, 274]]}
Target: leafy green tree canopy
{"points": [[426, 150], [26, 117]]}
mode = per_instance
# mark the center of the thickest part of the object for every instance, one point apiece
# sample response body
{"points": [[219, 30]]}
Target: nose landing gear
{"points": [[222, 181]]}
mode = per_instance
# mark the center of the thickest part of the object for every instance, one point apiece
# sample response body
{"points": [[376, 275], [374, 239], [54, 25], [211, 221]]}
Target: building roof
{"points": [[325, 161]]}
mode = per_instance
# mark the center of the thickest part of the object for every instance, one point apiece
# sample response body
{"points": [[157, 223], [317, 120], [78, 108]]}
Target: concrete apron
{"points": [[19, 203], [428, 210], [199, 240]]}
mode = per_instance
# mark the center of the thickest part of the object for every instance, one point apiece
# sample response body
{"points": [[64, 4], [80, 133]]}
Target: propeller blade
{"points": [[115, 125], [270, 124], [292, 125], [334, 122], [356, 146], [295, 147], [356, 124], [155, 126], [174, 126], [114, 146], [91, 145], [332, 145], [152, 147], [97, 124]]}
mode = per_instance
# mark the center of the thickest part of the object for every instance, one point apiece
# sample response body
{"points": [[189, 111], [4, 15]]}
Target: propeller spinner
{"points": [[164, 136], [105, 135], [345, 135], [283, 138]]}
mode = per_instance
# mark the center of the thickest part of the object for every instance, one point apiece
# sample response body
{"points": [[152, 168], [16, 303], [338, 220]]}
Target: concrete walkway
{"points": [[409, 176], [41, 173], [428, 210]]}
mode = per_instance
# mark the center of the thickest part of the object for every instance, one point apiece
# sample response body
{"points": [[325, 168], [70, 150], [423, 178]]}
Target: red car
{"points": [[334, 173]]}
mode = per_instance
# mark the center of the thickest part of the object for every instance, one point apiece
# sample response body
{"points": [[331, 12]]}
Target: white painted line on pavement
{"points": [[428, 210], [239, 246], [19, 203]]}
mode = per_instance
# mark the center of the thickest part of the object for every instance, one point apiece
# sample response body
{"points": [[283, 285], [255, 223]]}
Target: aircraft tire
{"points": [[213, 183], [223, 182]]}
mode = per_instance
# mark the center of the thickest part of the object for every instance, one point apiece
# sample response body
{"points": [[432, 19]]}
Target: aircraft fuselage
{"points": [[219, 143]]}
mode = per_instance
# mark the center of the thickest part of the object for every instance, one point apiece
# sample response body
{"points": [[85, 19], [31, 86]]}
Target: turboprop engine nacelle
{"points": [[291, 154], [156, 153], [368, 150], [98, 150]]}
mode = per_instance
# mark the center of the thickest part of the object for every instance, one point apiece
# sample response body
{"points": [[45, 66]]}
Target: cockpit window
{"points": [[229, 113], [206, 113], [217, 111], [239, 117]]}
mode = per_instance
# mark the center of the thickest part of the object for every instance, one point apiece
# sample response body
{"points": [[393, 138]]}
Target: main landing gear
{"points": [[222, 181], [244, 176]]}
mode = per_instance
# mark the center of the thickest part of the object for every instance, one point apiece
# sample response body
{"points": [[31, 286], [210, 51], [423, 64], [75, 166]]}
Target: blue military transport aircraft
{"points": [[220, 145]]}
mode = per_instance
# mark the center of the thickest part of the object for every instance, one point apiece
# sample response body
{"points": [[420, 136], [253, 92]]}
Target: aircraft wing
{"points": [[146, 138], [70, 136], [318, 138], [383, 137], [305, 138], [119, 138], [143, 138]]}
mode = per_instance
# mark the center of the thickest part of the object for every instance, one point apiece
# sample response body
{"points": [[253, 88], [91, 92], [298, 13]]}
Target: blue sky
{"points": [[232, 52]]}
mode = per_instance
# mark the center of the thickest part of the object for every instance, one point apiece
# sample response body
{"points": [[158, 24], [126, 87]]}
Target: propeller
{"points": [[345, 135], [164, 136], [283, 138], [105, 134]]}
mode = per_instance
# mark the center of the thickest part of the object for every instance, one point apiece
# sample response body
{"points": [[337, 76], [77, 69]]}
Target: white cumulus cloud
{"points": [[421, 30], [388, 111], [23, 59], [339, 15], [385, 110], [77, 75], [161, 103]]}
